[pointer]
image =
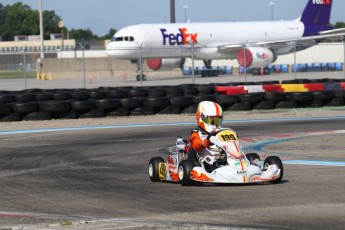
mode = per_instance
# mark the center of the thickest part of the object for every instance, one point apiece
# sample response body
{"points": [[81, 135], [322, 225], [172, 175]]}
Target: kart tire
{"points": [[153, 168], [253, 157], [184, 170], [274, 160]]}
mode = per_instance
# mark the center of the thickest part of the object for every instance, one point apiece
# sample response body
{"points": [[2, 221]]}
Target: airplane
{"points": [[253, 44]]}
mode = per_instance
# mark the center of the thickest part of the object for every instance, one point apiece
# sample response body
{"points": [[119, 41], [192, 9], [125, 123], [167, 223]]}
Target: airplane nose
{"points": [[121, 50]]}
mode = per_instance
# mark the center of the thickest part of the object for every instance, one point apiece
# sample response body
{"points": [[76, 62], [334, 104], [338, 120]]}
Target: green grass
{"points": [[16, 74]]}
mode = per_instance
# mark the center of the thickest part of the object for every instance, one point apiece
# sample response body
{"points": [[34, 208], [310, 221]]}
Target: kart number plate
{"points": [[227, 136]]}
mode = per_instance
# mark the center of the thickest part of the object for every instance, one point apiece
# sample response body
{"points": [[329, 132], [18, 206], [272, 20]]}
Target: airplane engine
{"points": [[165, 64], [256, 57]]}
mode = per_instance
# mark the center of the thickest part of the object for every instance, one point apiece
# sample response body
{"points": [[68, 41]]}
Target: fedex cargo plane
{"points": [[253, 44]]}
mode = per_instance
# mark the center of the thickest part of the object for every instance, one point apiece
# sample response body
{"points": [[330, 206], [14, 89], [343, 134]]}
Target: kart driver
{"points": [[209, 117]]}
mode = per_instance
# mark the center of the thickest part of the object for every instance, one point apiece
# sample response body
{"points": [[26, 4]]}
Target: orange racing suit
{"points": [[198, 139]]}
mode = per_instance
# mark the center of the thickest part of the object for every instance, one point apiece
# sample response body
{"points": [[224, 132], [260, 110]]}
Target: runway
{"points": [[79, 179]]}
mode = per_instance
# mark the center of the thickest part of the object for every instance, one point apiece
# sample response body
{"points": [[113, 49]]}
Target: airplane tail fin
{"points": [[316, 17]]}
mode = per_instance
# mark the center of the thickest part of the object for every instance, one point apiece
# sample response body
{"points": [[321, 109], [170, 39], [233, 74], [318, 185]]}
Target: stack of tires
{"points": [[39, 104]]}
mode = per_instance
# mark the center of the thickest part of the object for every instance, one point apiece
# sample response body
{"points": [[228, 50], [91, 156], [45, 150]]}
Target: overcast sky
{"points": [[101, 15]]}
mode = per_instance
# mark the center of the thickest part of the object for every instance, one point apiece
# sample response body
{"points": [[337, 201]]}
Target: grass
{"points": [[16, 74]]}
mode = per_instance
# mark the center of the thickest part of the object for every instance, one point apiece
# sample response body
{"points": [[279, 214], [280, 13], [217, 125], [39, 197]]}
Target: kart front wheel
{"points": [[184, 170], [274, 160], [153, 168]]}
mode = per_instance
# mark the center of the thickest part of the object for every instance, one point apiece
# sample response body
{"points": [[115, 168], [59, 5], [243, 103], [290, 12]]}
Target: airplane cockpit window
{"points": [[120, 39]]}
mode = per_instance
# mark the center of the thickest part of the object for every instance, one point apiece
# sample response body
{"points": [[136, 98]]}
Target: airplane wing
{"points": [[331, 35]]}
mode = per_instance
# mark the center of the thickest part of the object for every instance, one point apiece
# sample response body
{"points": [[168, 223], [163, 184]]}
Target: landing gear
{"points": [[140, 74], [143, 77], [209, 72]]}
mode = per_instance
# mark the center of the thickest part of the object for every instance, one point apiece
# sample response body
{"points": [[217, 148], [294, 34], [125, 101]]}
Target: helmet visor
{"points": [[212, 120]]}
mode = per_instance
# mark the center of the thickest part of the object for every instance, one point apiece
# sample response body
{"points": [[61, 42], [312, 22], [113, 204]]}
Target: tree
{"points": [[19, 19], [82, 34], [110, 34], [339, 25]]}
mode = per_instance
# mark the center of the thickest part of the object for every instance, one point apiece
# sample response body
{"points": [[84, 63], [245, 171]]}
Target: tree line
{"points": [[20, 19]]}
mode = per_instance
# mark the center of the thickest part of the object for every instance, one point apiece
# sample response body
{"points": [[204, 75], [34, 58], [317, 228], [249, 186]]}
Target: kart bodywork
{"points": [[229, 163]]}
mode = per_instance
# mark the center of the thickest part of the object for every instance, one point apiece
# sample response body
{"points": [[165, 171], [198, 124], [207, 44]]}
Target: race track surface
{"points": [[97, 179]]}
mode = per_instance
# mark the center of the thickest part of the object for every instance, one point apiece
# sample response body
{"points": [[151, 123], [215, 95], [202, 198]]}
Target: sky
{"points": [[101, 15]]}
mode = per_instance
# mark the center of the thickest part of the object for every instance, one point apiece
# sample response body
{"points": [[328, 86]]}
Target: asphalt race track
{"points": [[76, 179]]}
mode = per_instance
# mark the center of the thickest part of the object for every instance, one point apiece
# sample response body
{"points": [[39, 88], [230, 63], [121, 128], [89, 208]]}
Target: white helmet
{"points": [[209, 115]]}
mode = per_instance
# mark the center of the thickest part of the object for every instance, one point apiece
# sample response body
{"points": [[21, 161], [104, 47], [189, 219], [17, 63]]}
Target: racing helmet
{"points": [[209, 115]]}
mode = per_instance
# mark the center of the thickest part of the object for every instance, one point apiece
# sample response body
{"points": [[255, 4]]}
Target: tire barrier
{"points": [[42, 104]]}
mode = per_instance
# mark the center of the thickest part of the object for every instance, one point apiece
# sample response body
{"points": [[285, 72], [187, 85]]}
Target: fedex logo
{"points": [[262, 56], [322, 2], [181, 38]]}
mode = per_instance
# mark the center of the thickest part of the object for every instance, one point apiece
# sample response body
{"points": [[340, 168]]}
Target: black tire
{"points": [[97, 94], [205, 89], [240, 107], [61, 96], [253, 98], [172, 109], [157, 92], [153, 168], [65, 115], [200, 98], [55, 106], [184, 170], [95, 113], [325, 95], [190, 91], [5, 109], [37, 116], [265, 105], [131, 103], [174, 92], [336, 102], [6, 98], [80, 95], [120, 112], [253, 157], [143, 111], [274, 160], [274, 96], [339, 93], [182, 100], [286, 105], [28, 107], [156, 102], [11, 117], [117, 94], [299, 96], [43, 96], [82, 105], [108, 104], [190, 109], [24, 97], [137, 93]]}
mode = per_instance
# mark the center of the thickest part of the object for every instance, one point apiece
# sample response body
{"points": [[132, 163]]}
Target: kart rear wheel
{"points": [[153, 168], [184, 170], [253, 158], [274, 160]]}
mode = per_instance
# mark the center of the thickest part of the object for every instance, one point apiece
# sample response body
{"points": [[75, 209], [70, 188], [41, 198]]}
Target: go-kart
{"points": [[225, 163]]}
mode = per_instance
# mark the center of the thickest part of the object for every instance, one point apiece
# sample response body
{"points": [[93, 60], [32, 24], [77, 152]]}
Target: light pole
{"points": [[41, 27], [272, 6], [185, 13]]}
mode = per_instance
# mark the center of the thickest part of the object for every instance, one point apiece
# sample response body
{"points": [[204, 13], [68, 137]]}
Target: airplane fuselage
{"points": [[178, 40]]}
